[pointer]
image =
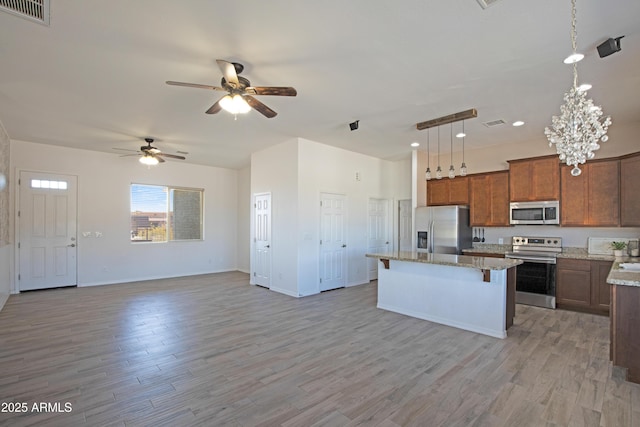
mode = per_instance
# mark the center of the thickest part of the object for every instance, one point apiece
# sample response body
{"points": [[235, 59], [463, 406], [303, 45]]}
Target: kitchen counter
{"points": [[620, 276], [472, 293]]}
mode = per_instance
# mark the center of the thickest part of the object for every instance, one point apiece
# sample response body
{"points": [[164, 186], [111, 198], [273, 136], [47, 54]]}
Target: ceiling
{"points": [[95, 78]]}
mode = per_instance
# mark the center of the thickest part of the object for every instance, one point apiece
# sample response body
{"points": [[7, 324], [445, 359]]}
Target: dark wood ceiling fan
{"points": [[239, 87], [150, 152]]}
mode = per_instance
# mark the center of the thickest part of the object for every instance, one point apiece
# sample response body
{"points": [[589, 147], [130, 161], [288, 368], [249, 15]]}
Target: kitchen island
{"points": [[472, 293]]}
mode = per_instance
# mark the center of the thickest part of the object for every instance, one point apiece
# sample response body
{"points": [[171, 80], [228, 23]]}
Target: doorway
{"points": [[262, 240], [47, 228], [378, 232], [405, 229], [333, 243]]}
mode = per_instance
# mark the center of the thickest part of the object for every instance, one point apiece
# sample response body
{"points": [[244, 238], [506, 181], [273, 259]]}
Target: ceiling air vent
{"points": [[493, 123], [486, 3], [33, 10]]}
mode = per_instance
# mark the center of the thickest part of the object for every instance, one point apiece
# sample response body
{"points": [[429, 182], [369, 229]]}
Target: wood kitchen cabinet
{"points": [[581, 285], [489, 199], [535, 179], [593, 197], [629, 191], [448, 191]]}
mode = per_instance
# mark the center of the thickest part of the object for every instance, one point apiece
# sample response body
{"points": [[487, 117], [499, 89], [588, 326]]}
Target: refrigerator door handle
{"points": [[431, 239]]}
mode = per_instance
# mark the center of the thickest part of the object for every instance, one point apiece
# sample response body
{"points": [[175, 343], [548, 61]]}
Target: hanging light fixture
{"points": [[579, 128], [428, 172], [235, 104], [452, 171], [463, 167], [439, 169]]}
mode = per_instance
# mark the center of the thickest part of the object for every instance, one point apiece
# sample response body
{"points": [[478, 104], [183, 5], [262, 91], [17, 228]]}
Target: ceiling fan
{"points": [[240, 92], [150, 155]]}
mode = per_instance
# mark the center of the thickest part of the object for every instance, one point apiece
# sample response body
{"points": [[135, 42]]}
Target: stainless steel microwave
{"points": [[534, 213]]}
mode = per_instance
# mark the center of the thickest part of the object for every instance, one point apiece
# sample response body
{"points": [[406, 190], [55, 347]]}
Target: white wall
{"points": [[244, 218], [328, 169], [304, 170], [5, 232], [104, 205], [274, 170]]}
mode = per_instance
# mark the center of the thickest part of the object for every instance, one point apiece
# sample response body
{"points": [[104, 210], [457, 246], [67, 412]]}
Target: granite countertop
{"points": [[620, 276], [481, 263]]}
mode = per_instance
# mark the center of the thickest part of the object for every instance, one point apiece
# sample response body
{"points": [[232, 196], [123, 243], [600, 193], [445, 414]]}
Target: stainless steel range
{"points": [[536, 277]]}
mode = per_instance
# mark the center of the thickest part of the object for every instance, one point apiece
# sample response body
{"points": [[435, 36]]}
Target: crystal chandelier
{"points": [[580, 127]]}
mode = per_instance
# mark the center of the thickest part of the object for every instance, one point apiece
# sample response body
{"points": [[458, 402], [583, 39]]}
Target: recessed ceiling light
{"points": [[518, 123], [584, 87], [461, 135], [415, 144]]}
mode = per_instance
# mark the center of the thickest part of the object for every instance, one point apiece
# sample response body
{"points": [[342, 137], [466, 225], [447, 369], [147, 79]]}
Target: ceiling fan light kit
{"points": [[148, 160], [235, 104]]}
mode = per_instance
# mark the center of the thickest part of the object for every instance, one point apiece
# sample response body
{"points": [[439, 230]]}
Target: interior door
{"points": [[47, 248], [405, 230], [333, 244], [262, 240], [378, 232]]}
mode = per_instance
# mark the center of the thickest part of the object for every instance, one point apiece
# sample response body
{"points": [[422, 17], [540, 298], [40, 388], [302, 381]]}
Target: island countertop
{"points": [[620, 276], [482, 263]]}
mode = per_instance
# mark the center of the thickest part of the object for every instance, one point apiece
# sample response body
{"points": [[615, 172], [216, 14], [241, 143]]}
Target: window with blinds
{"points": [[163, 213]]}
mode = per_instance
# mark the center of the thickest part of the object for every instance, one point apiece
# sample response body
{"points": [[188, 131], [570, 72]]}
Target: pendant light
{"points": [[452, 171], [579, 128], [428, 172], [463, 168], [439, 169]]}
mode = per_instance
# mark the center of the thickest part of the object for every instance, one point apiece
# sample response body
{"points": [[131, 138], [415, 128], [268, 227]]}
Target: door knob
{"points": [[73, 245]]}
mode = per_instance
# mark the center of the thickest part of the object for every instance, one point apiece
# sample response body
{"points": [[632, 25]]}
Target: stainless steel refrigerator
{"points": [[443, 229]]}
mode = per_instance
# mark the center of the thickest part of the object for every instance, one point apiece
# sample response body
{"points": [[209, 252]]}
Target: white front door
{"points": [[333, 243], [47, 247], [378, 232], [262, 240], [405, 230]]}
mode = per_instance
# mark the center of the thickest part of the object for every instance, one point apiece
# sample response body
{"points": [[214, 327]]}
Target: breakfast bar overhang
{"points": [[472, 293]]}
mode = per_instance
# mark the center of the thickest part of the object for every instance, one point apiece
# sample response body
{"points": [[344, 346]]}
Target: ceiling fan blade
{"points": [[272, 90], [229, 72], [260, 107], [173, 156], [124, 149], [215, 108], [196, 85]]}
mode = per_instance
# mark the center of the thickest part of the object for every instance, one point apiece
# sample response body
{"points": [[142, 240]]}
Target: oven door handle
{"points": [[528, 258]]}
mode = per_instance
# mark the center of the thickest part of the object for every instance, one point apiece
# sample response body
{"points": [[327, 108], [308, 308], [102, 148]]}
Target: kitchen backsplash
{"points": [[571, 236]]}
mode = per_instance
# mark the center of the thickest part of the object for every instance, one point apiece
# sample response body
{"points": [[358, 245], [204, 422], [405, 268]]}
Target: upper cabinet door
{"points": [[629, 191], [448, 191], [593, 197], [536, 179], [489, 199]]}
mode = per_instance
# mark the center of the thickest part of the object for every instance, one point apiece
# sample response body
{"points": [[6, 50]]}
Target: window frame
{"points": [[169, 211]]}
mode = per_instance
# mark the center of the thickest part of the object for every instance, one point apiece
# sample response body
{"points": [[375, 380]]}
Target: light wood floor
{"points": [[212, 350]]}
